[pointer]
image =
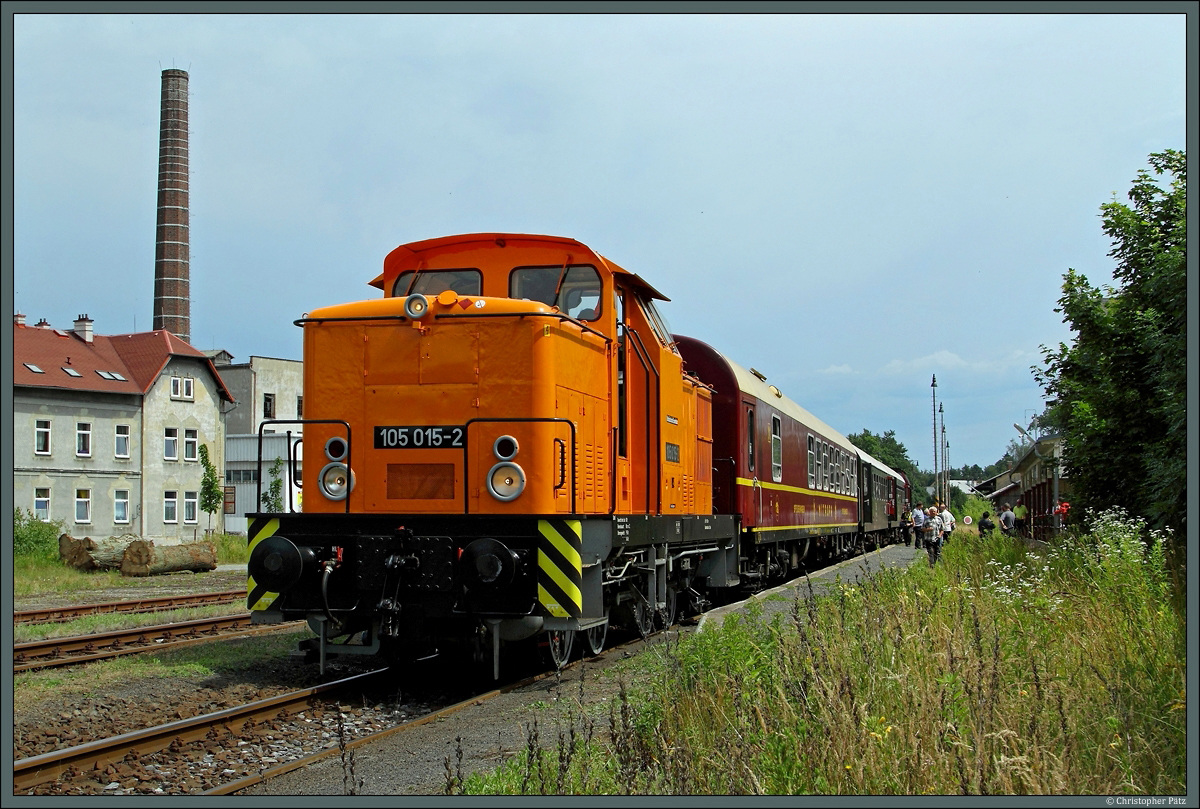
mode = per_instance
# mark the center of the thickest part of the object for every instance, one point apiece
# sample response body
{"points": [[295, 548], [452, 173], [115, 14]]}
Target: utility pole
{"points": [[942, 490], [935, 437]]}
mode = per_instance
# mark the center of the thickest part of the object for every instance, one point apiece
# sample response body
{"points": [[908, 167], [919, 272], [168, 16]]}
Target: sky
{"points": [[848, 203]]}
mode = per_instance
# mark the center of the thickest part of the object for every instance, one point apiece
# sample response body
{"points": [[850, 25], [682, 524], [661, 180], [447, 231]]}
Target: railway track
{"points": [[179, 753], [132, 606], [86, 648], [158, 747]]}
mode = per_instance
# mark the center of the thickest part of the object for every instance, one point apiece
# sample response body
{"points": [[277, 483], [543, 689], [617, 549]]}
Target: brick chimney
{"points": [[83, 328], [172, 251], [43, 324], [19, 319]]}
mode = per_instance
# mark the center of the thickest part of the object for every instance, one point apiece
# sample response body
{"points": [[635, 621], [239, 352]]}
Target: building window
{"points": [[299, 407], [122, 441], [121, 505], [41, 504], [776, 449], [190, 509], [83, 439], [170, 506], [268, 405], [183, 387], [190, 443], [83, 505], [41, 437], [171, 444], [241, 475]]}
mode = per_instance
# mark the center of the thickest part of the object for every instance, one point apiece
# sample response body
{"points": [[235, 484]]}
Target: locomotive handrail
{"points": [[291, 463], [556, 315], [467, 457], [303, 320]]}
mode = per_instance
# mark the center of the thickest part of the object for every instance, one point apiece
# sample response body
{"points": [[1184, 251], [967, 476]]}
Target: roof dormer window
{"points": [[71, 372], [33, 368]]}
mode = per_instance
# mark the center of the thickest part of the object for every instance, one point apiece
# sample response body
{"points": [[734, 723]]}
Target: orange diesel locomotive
{"points": [[511, 444]]}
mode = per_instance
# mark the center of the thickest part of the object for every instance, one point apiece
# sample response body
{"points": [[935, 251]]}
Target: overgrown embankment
{"points": [[1004, 670]]}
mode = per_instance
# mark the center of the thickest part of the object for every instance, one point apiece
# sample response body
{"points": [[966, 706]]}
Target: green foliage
{"points": [[272, 501], [231, 548], [212, 496], [33, 537], [1119, 393], [1002, 670]]}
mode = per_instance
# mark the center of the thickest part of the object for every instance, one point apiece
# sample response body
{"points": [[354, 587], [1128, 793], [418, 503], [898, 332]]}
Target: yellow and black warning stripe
{"points": [[560, 567], [257, 595]]}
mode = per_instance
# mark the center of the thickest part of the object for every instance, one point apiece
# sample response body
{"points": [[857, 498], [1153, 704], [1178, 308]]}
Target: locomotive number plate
{"points": [[419, 437]]}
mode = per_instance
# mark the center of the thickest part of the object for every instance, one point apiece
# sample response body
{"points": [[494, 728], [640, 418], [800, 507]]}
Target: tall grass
{"points": [[999, 671]]}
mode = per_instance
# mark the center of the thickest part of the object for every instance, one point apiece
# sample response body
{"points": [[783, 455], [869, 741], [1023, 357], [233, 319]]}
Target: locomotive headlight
{"points": [[415, 306], [506, 481], [336, 481]]}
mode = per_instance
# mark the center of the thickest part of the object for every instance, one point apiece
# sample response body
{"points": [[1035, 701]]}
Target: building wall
{"points": [[63, 471], [201, 413], [251, 382]]}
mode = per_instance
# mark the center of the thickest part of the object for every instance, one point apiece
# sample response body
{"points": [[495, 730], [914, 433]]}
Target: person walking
{"points": [[918, 522], [933, 535]]}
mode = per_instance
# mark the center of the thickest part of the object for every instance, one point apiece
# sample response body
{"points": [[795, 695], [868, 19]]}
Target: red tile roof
{"points": [[139, 358]]}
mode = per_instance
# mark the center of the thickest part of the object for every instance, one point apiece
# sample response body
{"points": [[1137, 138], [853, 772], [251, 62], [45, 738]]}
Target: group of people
{"points": [[930, 527]]}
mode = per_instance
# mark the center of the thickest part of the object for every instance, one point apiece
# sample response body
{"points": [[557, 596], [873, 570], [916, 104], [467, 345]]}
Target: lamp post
{"points": [[942, 488], [935, 437]]}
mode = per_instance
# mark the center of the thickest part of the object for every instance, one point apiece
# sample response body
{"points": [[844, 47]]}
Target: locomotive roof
{"points": [[413, 248]]}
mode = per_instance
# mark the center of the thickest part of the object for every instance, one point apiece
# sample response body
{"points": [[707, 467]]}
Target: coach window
{"points": [[776, 449], [433, 282], [750, 438], [812, 469], [574, 289]]}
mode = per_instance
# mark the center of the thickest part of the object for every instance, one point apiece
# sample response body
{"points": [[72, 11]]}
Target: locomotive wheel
{"points": [[559, 644], [595, 637]]}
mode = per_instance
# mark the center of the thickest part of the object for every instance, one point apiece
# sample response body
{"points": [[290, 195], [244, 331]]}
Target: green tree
{"points": [[1118, 392], [272, 501], [212, 496]]}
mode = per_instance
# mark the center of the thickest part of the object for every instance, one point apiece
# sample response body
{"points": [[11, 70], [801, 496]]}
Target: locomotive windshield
{"points": [[574, 289], [431, 282]]}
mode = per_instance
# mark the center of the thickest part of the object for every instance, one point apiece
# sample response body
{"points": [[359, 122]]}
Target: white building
{"points": [[107, 431]]}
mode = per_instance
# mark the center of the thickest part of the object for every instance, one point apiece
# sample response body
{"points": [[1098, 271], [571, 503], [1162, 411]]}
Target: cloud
{"points": [[837, 369], [948, 360]]}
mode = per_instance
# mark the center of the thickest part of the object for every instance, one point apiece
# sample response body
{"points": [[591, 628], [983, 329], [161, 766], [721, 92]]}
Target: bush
{"points": [[33, 537]]}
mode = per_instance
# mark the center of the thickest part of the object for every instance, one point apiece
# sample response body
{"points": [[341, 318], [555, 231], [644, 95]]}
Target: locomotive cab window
{"points": [[574, 289], [432, 282]]}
